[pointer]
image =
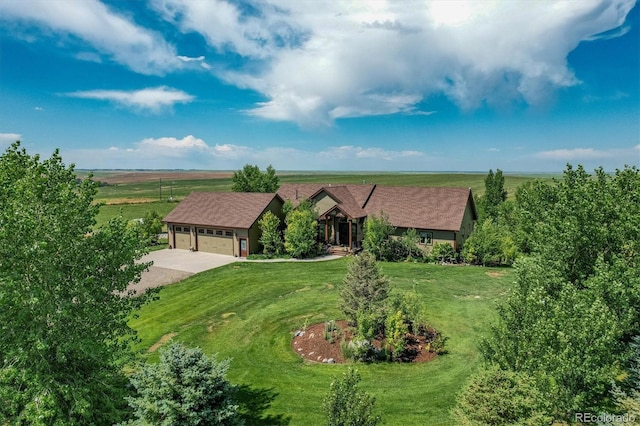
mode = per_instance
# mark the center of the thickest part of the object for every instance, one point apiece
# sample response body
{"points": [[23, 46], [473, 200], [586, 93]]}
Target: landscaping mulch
{"points": [[312, 346]]}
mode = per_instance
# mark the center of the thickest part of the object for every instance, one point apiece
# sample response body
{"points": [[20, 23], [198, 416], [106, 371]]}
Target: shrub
{"points": [[395, 332], [443, 252], [489, 245], [185, 388], [377, 232], [501, 397], [347, 405]]}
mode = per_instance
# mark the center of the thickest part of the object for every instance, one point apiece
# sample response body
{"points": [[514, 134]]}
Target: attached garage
{"points": [[213, 240], [221, 222]]}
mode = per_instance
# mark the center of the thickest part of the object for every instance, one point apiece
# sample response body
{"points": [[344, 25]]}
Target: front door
{"points": [[243, 247]]}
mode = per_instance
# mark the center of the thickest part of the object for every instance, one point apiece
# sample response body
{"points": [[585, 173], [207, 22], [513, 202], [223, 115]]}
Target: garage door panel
{"points": [[215, 244], [183, 241]]}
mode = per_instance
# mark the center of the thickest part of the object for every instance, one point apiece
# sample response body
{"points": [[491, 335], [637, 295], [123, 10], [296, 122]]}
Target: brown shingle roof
{"points": [[221, 209], [298, 191], [347, 203], [421, 207]]}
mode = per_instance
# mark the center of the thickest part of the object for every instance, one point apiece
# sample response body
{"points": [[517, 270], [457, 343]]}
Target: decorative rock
{"points": [[311, 353], [331, 361], [299, 349], [324, 360], [319, 357]]}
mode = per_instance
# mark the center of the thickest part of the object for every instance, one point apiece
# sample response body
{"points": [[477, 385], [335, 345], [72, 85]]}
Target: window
{"points": [[200, 231], [177, 228], [228, 233], [210, 231], [218, 232], [426, 238]]}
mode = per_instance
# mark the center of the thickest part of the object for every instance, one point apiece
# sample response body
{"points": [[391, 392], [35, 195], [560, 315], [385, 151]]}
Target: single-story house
{"points": [[438, 214], [220, 222]]}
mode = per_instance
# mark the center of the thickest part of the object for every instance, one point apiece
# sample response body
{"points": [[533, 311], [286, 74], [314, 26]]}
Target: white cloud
{"points": [[574, 154], [113, 35], [8, 138], [187, 143], [317, 61], [152, 99], [494, 150], [190, 59], [38, 108], [192, 152]]}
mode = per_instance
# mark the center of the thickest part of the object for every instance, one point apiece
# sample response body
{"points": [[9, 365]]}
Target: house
{"points": [[220, 222], [437, 214]]}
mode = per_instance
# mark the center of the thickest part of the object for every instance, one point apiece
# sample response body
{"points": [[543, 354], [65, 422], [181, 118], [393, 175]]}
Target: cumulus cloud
{"points": [[38, 108], [191, 152], [7, 138], [111, 34], [187, 143], [318, 61], [153, 99]]}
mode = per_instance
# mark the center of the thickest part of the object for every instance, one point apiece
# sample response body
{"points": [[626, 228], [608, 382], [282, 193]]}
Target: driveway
{"points": [[171, 266]]}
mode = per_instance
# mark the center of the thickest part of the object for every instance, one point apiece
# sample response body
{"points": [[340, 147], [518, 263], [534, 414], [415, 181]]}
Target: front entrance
{"points": [[243, 247]]}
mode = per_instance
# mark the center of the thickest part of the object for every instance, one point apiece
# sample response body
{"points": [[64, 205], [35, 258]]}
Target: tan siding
{"points": [[323, 202], [219, 244], [466, 228]]}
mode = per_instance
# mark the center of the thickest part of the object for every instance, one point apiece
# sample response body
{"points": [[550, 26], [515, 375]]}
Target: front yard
{"points": [[249, 311]]}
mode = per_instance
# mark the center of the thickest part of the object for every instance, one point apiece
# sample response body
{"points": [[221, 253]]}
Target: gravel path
{"points": [[157, 277]]}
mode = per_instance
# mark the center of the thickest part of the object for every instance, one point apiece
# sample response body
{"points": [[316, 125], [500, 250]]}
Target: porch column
{"points": [[350, 236], [326, 230]]}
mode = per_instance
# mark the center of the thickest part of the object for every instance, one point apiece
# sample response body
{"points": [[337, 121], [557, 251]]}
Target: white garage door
{"points": [[218, 241]]}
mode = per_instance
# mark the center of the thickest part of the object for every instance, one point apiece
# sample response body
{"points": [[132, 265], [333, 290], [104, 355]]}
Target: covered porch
{"points": [[337, 230]]}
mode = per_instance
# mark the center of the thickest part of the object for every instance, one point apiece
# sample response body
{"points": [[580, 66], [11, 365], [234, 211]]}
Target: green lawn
{"points": [[131, 211], [248, 311]]}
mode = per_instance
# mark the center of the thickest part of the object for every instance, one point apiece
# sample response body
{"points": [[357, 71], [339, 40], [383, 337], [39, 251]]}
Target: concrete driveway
{"points": [[187, 261], [171, 266]]}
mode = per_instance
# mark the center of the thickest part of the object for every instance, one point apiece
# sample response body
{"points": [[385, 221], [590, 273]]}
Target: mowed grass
{"points": [[131, 211], [248, 312]]}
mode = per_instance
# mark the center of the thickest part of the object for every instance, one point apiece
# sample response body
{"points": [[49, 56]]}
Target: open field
{"points": [[248, 311], [138, 191]]}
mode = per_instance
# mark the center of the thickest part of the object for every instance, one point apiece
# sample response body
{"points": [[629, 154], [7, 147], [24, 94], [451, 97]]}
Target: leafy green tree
{"points": [[251, 179], [494, 195], [566, 338], [185, 388], [364, 289], [395, 333], [151, 226], [271, 236], [489, 245], [501, 397], [64, 336], [377, 231], [301, 232], [348, 405]]}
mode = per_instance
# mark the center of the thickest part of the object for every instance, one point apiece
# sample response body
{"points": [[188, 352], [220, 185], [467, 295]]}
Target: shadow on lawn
{"points": [[253, 402]]}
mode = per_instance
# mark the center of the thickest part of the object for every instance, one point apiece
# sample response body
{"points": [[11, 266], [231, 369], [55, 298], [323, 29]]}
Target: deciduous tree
{"points": [[301, 232], [63, 320], [348, 405], [271, 236], [251, 179]]}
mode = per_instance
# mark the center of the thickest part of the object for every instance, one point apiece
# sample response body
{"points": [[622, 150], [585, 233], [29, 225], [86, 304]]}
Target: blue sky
{"points": [[323, 85]]}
